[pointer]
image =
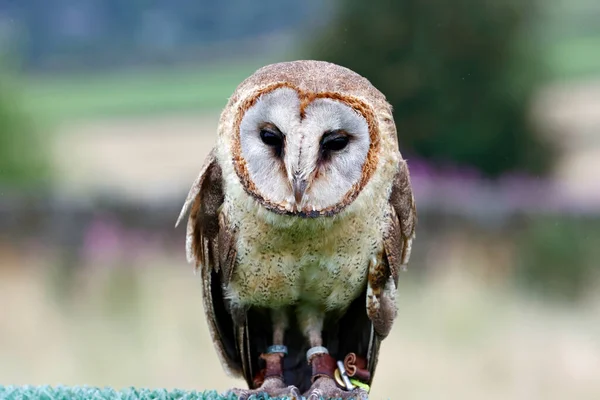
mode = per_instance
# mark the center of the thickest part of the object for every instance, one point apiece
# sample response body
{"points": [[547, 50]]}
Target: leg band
{"points": [[277, 348], [323, 365], [313, 351], [274, 368]]}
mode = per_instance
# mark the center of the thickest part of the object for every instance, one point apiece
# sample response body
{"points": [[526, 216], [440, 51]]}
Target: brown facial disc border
{"points": [[241, 168]]}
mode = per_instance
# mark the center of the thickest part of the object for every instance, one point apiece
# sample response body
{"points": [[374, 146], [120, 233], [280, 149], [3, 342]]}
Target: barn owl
{"points": [[300, 221]]}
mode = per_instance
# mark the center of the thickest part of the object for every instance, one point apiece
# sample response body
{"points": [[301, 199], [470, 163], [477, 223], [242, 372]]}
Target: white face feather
{"points": [[328, 174]]}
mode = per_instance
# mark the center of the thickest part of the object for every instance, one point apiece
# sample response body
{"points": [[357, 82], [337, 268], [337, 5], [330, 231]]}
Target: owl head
{"points": [[306, 138]]}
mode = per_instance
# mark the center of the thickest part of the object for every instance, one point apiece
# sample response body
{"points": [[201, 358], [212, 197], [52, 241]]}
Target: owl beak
{"points": [[299, 185]]}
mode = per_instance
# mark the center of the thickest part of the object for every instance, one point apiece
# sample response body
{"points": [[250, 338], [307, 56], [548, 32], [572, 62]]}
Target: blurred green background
{"points": [[108, 108]]}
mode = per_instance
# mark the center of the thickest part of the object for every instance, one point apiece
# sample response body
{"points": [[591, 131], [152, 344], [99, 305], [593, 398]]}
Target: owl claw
{"points": [[272, 387], [326, 388]]}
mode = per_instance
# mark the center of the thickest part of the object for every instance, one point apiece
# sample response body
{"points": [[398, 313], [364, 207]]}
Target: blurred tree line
{"points": [[94, 34], [460, 76]]}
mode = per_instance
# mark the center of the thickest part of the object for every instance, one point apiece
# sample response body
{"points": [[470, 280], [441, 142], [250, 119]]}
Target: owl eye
{"points": [[272, 138], [334, 141]]}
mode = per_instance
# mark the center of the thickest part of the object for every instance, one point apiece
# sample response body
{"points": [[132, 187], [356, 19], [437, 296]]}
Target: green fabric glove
{"points": [[92, 393]]}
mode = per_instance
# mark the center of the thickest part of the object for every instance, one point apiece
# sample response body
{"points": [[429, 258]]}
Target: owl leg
{"points": [[274, 355], [323, 364], [280, 325], [270, 379]]}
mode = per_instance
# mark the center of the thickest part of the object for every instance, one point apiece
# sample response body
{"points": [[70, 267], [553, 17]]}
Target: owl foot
{"points": [[324, 385], [326, 388], [272, 387]]}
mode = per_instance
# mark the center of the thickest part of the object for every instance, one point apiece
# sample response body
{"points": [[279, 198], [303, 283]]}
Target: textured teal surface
{"points": [[93, 393]]}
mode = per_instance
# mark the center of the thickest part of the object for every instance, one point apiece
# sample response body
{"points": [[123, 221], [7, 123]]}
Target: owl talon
{"points": [[326, 388], [272, 387]]}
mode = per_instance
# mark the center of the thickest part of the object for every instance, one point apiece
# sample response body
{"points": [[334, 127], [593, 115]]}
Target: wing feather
{"points": [[210, 246], [383, 275], [402, 222]]}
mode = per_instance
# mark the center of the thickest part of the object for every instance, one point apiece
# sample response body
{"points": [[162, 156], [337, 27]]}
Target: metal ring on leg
{"points": [[277, 348], [313, 351]]}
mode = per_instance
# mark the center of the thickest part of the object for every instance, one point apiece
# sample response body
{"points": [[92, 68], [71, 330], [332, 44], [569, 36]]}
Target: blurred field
{"points": [[141, 91], [574, 58], [570, 38], [149, 158], [456, 337]]}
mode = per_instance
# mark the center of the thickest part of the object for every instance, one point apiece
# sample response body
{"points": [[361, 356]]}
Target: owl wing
{"points": [[210, 245], [383, 275], [402, 222]]}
